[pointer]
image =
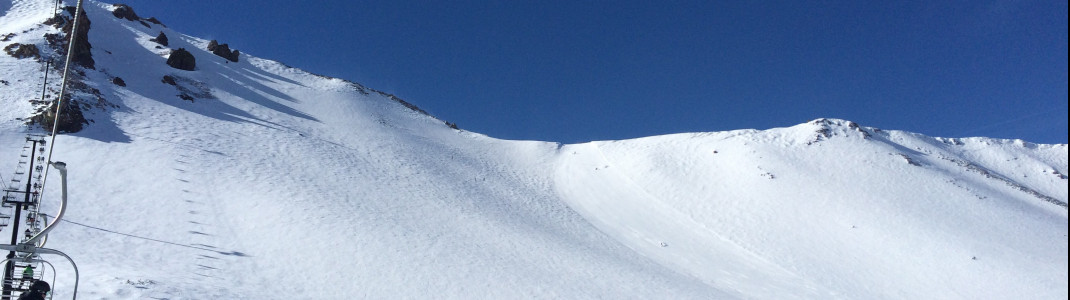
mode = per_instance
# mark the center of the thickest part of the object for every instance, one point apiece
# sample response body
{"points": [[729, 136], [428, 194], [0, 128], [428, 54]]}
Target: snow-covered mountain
{"points": [[255, 180]]}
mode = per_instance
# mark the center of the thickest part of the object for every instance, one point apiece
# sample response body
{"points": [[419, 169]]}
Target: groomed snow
{"points": [[275, 183]]}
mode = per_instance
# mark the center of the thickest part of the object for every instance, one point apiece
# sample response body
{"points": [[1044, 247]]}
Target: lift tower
{"points": [[28, 201]]}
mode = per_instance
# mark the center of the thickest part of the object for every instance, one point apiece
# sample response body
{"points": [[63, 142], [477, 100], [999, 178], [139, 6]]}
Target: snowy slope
{"points": [[844, 216], [275, 183]]}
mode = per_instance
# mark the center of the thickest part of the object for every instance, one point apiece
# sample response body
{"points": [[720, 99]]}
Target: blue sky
{"points": [[576, 71]]}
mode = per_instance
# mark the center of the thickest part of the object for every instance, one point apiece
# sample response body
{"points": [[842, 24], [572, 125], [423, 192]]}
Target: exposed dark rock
{"points": [[160, 39], [124, 11], [854, 126], [23, 51], [182, 60], [402, 102], [80, 96], [56, 21], [83, 55], [56, 41], [223, 50], [6, 37], [909, 160], [189, 89], [153, 20], [70, 117], [118, 81]]}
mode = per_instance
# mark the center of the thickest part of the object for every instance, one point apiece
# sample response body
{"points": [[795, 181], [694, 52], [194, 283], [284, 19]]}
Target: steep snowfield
{"points": [[845, 216], [279, 184]]}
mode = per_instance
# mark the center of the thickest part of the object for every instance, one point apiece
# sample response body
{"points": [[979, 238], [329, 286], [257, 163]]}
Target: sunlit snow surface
{"points": [[278, 184]]}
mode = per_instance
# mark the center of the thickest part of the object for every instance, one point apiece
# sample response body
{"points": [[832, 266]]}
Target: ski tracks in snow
{"points": [[207, 216], [198, 218], [195, 204]]}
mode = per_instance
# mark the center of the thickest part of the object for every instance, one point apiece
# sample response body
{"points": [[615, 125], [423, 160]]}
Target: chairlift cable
{"points": [[30, 246], [62, 91]]}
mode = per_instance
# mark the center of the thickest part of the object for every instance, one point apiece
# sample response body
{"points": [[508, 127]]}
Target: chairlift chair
{"points": [[28, 252], [17, 281]]}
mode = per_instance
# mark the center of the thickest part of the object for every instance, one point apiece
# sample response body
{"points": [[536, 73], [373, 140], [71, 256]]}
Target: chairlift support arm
{"points": [[62, 168]]}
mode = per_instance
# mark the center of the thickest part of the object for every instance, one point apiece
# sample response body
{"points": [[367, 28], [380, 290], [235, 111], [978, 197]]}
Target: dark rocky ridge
{"points": [[70, 118], [83, 54], [223, 50], [124, 11]]}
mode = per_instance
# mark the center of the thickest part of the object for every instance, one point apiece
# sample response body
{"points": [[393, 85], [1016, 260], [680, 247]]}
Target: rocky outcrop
{"points": [[188, 89], [20, 51], [83, 55], [70, 117], [124, 11], [80, 96], [160, 39], [153, 20], [223, 51], [182, 60]]}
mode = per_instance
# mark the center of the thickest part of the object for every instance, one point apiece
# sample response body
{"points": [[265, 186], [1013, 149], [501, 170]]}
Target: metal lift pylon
{"points": [[27, 250]]}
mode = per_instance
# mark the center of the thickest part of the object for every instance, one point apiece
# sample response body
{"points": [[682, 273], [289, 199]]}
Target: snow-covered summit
{"points": [[255, 180]]}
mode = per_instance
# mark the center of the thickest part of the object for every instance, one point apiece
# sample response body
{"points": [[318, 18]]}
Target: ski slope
{"points": [[275, 183]]}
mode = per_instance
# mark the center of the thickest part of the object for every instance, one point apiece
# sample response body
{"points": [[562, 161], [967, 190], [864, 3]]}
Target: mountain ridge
{"points": [[277, 183]]}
